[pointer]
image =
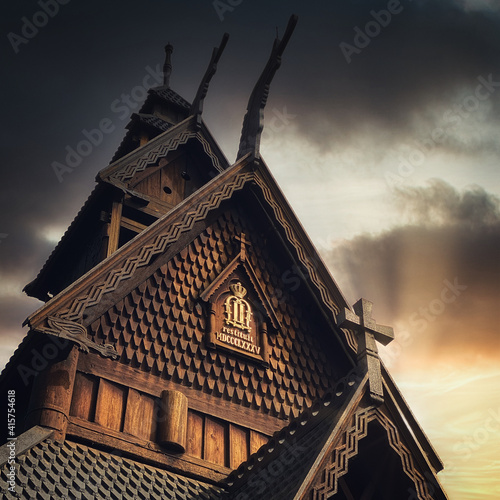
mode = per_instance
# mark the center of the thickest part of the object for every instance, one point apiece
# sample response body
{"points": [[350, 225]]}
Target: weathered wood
{"points": [[204, 403], [110, 405], [238, 445], [139, 415], [133, 225], [195, 434], [215, 438], [172, 421], [145, 451], [139, 177], [257, 440], [50, 401], [114, 228], [84, 396]]}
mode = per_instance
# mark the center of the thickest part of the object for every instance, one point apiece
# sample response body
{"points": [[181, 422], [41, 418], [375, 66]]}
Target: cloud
{"points": [[435, 277], [425, 58]]}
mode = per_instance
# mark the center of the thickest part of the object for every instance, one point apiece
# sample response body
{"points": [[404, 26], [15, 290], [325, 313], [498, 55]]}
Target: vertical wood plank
{"points": [[139, 420], [195, 434], [110, 405], [257, 440], [238, 445], [114, 228], [215, 441], [171, 177], [84, 397]]}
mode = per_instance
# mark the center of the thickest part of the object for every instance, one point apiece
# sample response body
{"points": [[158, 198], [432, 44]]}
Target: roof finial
{"points": [[197, 106], [253, 123], [167, 67]]}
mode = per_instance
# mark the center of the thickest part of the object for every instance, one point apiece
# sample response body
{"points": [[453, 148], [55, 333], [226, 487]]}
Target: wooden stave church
{"points": [[126, 384]]}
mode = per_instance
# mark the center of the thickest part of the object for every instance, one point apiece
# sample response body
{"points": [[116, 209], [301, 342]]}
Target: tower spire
{"points": [[167, 66]]}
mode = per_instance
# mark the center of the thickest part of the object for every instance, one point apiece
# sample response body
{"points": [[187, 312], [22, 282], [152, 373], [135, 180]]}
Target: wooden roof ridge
{"points": [[167, 95], [139, 159]]}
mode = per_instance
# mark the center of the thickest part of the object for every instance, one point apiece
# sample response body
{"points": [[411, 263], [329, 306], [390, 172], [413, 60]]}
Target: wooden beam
{"points": [[145, 451], [114, 228], [138, 178], [50, 400], [127, 223], [146, 383]]}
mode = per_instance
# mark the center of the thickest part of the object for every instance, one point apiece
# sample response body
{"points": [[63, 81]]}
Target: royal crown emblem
{"points": [[238, 290]]}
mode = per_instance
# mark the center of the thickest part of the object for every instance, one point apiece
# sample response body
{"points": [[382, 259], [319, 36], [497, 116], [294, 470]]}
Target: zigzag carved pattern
{"points": [[116, 276], [339, 460], [161, 151], [278, 212]]}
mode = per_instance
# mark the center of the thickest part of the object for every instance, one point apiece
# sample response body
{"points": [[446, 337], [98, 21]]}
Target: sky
{"points": [[381, 128]]}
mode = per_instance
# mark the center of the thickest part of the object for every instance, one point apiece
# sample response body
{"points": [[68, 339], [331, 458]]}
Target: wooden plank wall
{"points": [[127, 410]]}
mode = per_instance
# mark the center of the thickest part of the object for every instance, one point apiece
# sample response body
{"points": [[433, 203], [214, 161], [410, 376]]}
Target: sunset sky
{"points": [[382, 129]]}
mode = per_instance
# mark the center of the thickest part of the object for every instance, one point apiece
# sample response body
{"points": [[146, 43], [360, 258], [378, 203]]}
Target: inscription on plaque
{"points": [[238, 329]]}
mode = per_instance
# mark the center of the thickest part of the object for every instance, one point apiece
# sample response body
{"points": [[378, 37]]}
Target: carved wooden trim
{"points": [[147, 252], [162, 150], [290, 234], [77, 333], [338, 462]]}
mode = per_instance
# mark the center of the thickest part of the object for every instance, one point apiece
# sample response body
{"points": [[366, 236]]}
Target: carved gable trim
{"points": [[167, 230], [77, 333], [337, 464]]}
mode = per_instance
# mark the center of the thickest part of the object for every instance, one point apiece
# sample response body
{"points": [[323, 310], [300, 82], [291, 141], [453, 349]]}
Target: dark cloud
{"points": [[453, 244]]}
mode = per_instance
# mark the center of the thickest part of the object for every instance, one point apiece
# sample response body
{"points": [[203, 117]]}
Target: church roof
{"points": [[51, 469], [289, 464], [162, 95]]}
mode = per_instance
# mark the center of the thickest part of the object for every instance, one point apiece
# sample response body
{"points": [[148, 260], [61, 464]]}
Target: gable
{"points": [[161, 328], [161, 334], [173, 177], [370, 448], [342, 447]]}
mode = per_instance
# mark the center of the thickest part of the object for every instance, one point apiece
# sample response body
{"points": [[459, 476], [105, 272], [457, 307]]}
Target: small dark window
{"points": [[185, 176], [167, 190]]}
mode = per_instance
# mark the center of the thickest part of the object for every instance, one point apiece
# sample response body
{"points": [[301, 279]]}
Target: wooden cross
{"points": [[243, 249], [368, 333]]}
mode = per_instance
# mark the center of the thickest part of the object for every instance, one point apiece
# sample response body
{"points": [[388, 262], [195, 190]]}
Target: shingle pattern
{"points": [[279, 467], [159, 328], [154, 121], [53, 470], [171, 96]]}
